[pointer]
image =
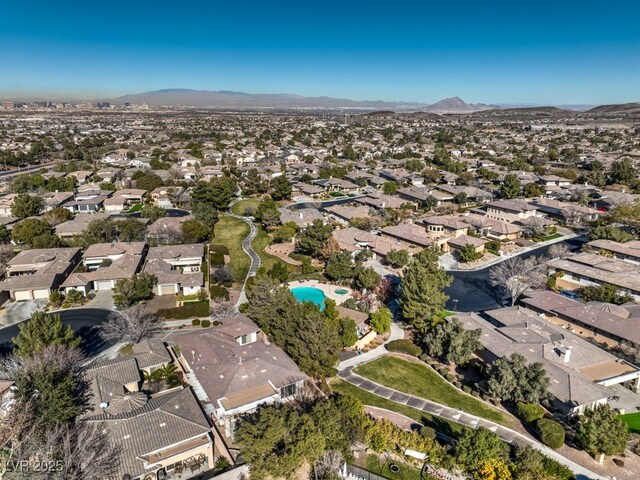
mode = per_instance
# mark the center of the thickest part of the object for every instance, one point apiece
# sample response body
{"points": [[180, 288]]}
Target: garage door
{"points": [[167, 289], [104, 285], [24, 295], [41, 294]]}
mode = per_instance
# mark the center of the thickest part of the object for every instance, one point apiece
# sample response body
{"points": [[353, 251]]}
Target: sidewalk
{"points": [[396, 334], [460, 417]]}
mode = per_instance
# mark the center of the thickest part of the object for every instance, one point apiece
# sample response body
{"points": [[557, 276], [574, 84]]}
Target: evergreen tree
{"points": [[422, 298], [510, 187], [601, 431], [43, 330]]}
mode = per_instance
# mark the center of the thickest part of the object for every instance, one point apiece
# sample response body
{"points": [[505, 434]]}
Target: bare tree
{"points": [[534, 226], [518, 275], [222, 310], [558, 250], [328, 466], [130, 325], [6, 254]]}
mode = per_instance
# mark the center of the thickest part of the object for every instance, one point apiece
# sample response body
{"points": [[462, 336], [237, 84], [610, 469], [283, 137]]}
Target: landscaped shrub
{"points": [[217, 259], [195, 322], [222, 249], [551, 432], [199, 309], [450, 377], [404, 346], [219, 293], [205, 324], [215, 323], [529, 412]]}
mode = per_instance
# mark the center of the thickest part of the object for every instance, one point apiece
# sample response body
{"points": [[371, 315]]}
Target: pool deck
{"points": [[328, 289]]}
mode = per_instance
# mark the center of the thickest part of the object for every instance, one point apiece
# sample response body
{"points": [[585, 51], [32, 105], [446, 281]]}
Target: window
{"points": [[288, 391]]}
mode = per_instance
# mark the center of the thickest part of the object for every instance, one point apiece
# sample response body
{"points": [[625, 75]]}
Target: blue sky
{"points": [[558, 52]]}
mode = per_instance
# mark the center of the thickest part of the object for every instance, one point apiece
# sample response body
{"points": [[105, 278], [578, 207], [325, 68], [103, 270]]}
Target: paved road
{"points": [[458, 416], [474, 292], [85, 321]]}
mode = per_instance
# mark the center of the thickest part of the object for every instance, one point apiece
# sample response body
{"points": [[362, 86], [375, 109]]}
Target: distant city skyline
{"points": [[542, 53]]}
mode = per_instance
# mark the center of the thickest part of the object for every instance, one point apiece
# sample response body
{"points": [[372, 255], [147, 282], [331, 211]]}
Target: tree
{"points": [[152, 212], [347, 331], [390, 187], [25, 205], [602, 293], [468, 253], [510, 378], [600, 431], [609, 232], [148, 181], [397, 258], [493, 469], [194, 231], [339, 266], [313, 239], [215, 194], [533, 190], [205, 214], [43, 330], [380, 320], [366, 279], [130, 230], [279, 271], [132, 325], [31, 231], [627, 214], [510, 187], [129, 291], [267, 213], [422, 298], [451, 342], [460, 198], [276, 440], [477, 446], [6, 254], [517, 275], [102, 230], [622, 171], [253, 183], [57, 216], [281, 188], [285, 233]]}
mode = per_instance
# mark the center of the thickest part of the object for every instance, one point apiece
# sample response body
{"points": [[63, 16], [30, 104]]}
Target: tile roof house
{"points": [[36, 273], [346, 213], [579, 372], [629, 251], [166, 230], [302, 217], [353, 240], [586, 269], [123, 199], [177, 268], [510, 210], [234, 368], [78, 224], [105, 264]]}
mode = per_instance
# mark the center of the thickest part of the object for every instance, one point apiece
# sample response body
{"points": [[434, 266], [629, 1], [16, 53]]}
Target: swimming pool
{"points": [[309, 294]]}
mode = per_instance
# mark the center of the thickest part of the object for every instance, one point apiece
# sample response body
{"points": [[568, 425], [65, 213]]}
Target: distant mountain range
{"points": [[228, 99]]}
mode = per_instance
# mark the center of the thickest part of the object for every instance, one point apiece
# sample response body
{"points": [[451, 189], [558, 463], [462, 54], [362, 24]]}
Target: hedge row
{"points": [[404, 346], [529, 412]]}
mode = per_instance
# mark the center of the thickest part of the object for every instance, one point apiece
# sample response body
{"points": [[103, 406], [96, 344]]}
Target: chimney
{"points": [[565, 354]]}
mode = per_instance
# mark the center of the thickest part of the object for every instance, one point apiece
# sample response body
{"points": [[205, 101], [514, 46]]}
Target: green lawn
{"points": [[231, 231], [379, 466], [446, 427], [632, 420], [420, 380], [239, 207], [262, 241]]}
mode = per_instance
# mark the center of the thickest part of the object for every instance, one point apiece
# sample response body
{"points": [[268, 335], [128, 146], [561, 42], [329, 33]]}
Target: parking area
{"points": [[103, 299], [16, 312]]}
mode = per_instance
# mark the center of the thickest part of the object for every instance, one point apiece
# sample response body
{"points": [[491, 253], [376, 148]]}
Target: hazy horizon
{"points": [[542, 54]]}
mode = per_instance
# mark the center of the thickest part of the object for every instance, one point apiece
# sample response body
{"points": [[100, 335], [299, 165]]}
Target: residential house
{"points": [[580, 372], [166, 197], [78, 224], [346, 213], [122, 200], [570, 213], [354, 240], [177, 267], [166, 230], [55, 199], [445, 226], [302, 217], [36, 273], [510, 210], [586, 269], [234, 368], [337, 185], [105, 264], [629, 251]]}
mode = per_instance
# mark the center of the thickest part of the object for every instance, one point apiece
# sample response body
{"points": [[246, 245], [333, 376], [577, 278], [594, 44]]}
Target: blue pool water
{"points": [[309, 294]]}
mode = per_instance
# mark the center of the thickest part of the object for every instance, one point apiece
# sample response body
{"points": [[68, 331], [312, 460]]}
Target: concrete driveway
{"points": [[16, 312], [103, 299]]}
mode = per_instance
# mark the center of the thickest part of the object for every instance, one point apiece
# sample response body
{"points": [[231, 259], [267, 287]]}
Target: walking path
{"points": [[396, 334], [458, 416], [248, 249]]}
